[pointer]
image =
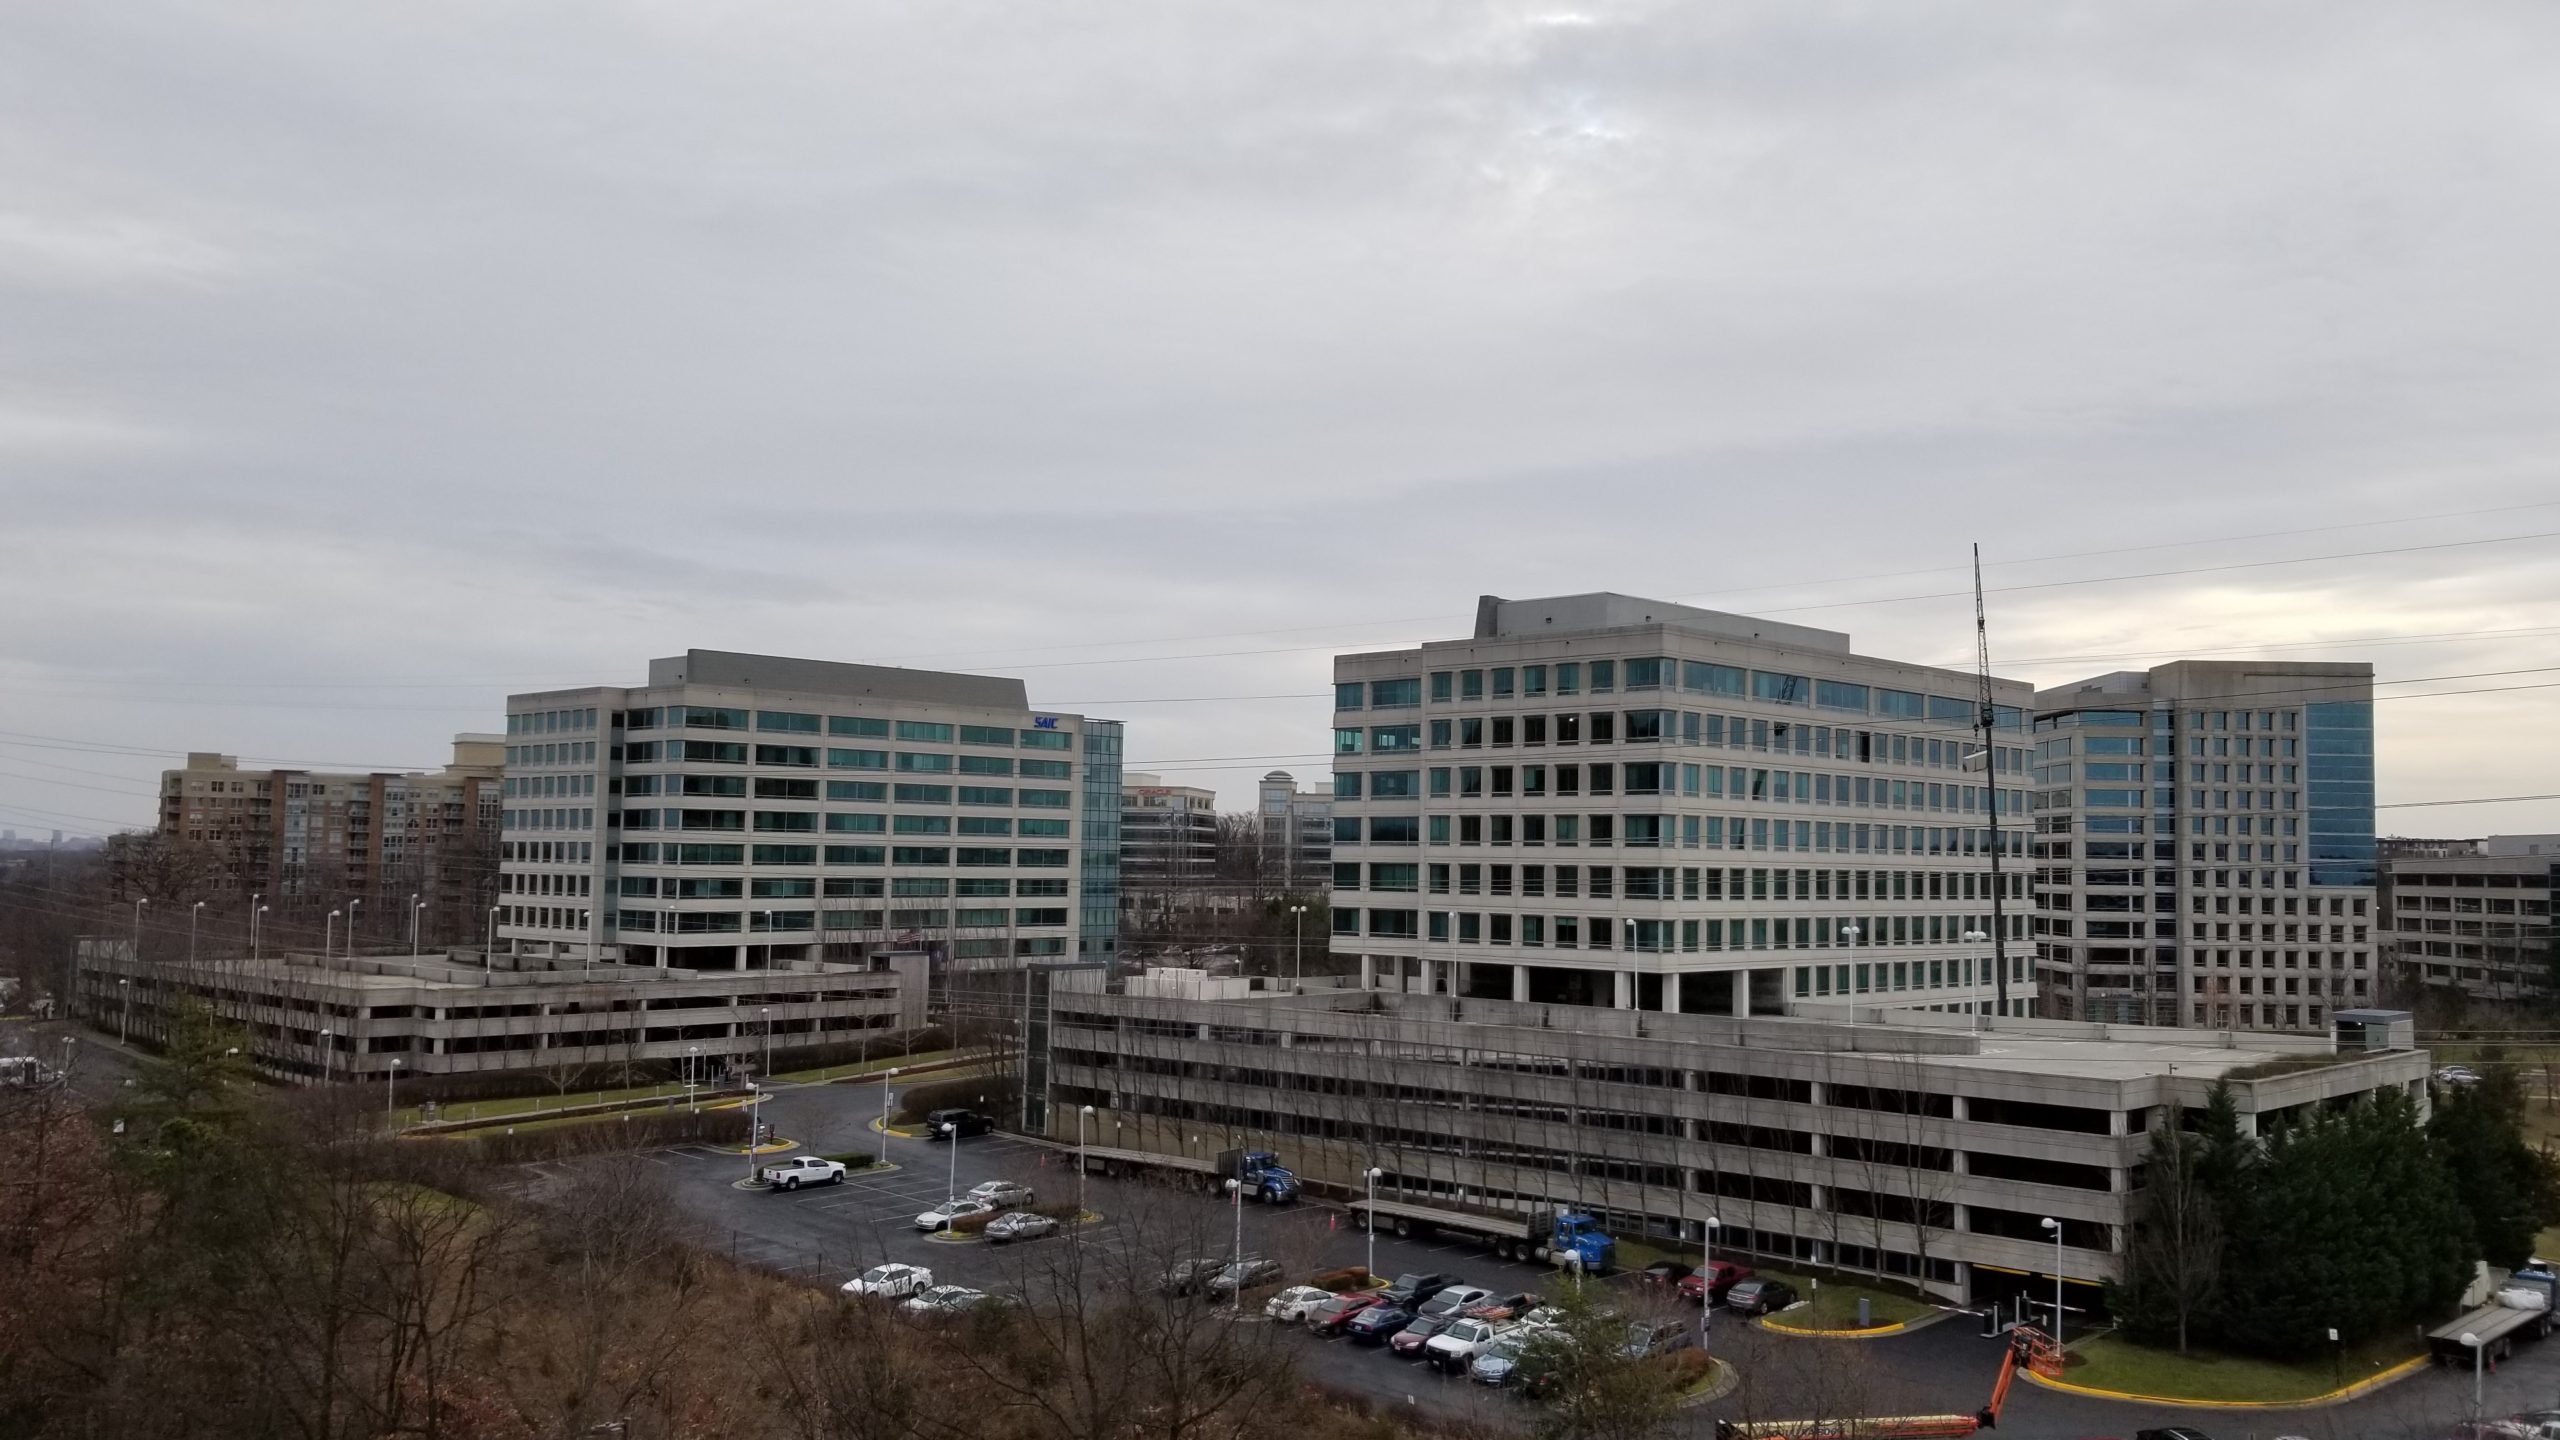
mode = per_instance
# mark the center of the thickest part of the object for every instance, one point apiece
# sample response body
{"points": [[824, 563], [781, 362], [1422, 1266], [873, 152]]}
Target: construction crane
{"points": [[1988, 717]]}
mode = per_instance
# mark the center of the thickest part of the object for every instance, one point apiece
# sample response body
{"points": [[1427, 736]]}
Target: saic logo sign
{"points": [[1044, 722]]}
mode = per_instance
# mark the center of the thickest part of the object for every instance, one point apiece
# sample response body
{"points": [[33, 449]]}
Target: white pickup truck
{"points": [[802, 1170]]}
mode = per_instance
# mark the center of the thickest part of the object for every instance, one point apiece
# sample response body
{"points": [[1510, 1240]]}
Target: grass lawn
{"points": [[867, 1067], [554, 1100], [2111, 1362], [1835, 1305]]}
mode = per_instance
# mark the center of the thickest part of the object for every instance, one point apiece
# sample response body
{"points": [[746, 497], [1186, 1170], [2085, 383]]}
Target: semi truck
{"points": [[1265, 1178], [1563, 1237], [2520, 1309]]}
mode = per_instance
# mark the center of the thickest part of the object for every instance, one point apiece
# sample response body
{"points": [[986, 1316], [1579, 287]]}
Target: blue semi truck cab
{"points": [[1265, 1178]]}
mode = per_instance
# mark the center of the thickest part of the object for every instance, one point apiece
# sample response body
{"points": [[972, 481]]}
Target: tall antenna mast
{"points": [[1988, 717]]}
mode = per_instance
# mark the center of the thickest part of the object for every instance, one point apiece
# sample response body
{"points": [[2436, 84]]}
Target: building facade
{"points": [[1168, 835], [2204, 845], [344, 1017], [2479, 924], [1607, 801], [1297, 832], [1887, 1141], [321, 837], [750, 812]]}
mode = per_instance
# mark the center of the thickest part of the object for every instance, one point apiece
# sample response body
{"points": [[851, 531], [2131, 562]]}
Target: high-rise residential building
{"points": [[1168, 837], [2204, 845], [1297, 832], [1610, 801], [752, 811], [2478, 923], [316, 836]]}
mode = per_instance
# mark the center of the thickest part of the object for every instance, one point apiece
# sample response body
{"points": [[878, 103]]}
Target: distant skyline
{"points": [[364, 366]]}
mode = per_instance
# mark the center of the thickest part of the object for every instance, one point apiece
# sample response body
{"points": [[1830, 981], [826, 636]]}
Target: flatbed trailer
{"points": [[2497, 1328]]}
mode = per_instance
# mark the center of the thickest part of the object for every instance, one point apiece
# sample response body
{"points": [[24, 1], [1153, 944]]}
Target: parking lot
{"points": [[829, 1234]]}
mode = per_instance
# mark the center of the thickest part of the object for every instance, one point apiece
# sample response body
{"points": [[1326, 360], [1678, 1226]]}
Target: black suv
{"points": [[952, 1124], [1410, 1291]]}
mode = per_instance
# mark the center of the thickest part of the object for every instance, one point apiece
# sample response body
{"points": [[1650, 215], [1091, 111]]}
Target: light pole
{"points": [[1973, 992], [328, 1057], [417, 908], [1299, 982], [2477, 1351], [139, 902], [1707, 1285], [951, 1183], [1235, 1257], [2056, 1227], [766, 1073], [329, 935], [391, 1093], [489, 952], [351, 925], [254, 913], [1082, 1116], [885, 1078], [194, 912], [67, 1043], [124, 1028], [1371, 1227], [692, 1071]]}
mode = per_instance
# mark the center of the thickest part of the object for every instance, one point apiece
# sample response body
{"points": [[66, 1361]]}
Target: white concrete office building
{"points": [[750, 811], [2204, 848], [1608, 801]]}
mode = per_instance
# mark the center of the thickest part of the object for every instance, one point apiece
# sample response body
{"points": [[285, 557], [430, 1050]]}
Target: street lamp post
{"points": [[766, 1072], [328, 1057], [692, 1073], [254, 912], [1299, 981], [329, 935], [890, 1075], [951, 1183], [1707, 1284], [2056, 1227], [1973, 992], [194, 913], [1082, 1116], [139, 902], [1235, 1257], [351, 925], [417, 908], [1371, 1216], [391, 1093], [2477, 1351], [489, 952], [124, 1028]]}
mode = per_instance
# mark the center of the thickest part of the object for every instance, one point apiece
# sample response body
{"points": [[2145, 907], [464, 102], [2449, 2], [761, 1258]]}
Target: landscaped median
{"points": [[2112, 1367], [1831, 1310]]}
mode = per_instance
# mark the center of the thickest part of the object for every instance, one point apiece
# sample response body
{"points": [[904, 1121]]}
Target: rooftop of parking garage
{"points": [[443, 970]]}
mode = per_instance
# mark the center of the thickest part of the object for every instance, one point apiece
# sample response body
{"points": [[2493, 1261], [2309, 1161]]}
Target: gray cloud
{"points": [[391, 361]]}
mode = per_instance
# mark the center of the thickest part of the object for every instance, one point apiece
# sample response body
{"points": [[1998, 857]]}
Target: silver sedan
{"points": [[1019, 1225]]}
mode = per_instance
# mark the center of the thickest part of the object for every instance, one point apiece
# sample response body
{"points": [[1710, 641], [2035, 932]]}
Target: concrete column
{"points": [[1625, 988], [1741, 993], [1427, 978], [1368, 972], [1520, 984]]}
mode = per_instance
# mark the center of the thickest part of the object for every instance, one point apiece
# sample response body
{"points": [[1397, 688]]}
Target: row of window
{"points": [[1662, 727], [810, 757], [1665, 882], [836, 887], [557, 752], [788, 722], [806, 822], [548, 786], [1608, 932], [1648, 777], [2162, 720], [1689, 832], [546, 722], [1654, 672], [548, 818], [687, 853]]}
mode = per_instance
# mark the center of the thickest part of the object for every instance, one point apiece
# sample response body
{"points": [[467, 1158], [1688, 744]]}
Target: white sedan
{"points": [[1291, 1306], [888, 1282], [941, 1216], [942, 1300]]}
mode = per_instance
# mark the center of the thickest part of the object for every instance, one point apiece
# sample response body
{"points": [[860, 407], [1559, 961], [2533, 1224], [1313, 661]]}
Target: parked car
{"points": [[1373, 1325], [1003, 1194], [888, 1282], [1454, 1299], [1455, 1348], [1495, 1363], [1408, 1343], [1646, 1338], [1290, 1306], [802, 1170], [1503, 1307], [2457, 1075], [1759, 1297], [1186, 1276], [941, 1300], [1701, 1286], [941, 1216], [1664, 1273], [1018, 1225], [1329, 1317], [1246, 1274], [1412, 1290], [956, 1124]]}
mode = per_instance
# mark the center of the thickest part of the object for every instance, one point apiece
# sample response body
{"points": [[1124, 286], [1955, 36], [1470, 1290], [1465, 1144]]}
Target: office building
{"points": [[2204, 845], [751, 812], [1608, 801], [1881, 1140], [344, 1017], [322, 837], [2478, 924], [1168, 836], [1297, 833]]}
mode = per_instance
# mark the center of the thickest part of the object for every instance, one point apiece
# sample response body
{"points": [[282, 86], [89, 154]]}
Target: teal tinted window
{"points": [[1700, 678], [920, 825], [1839, 695], [707, 717], [922, 794], [986, 795], [1045, 829], [986, 765], [857, 824], [857, 759], [857, 727], [1047, 769], [1390, 739], [920, 855], [1779, 689], [1901, 704], [929, 731], [987, 735], [985, 825], [913, 761], [1346, 785], [1346, 694], [1393, 784], [855, 855], [786, 721], [1645, 673], [1395, 694], [1043, 799], [1046, 739], [1441, 684], [856, 790], [1948, 711]]}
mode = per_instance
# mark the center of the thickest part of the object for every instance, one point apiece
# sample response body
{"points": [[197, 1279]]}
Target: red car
{"points": [[1713, 1281], [1329, 1317]]}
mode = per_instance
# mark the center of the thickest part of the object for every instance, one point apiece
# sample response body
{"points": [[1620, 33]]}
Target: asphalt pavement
{"points": [[828, 1234]]}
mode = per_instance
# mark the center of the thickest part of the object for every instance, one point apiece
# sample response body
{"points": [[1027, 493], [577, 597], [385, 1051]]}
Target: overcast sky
{"points": [[360, 364]]}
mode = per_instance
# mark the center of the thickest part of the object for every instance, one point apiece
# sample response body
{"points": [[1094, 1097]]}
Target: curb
{"points": [[2366, 1386], [877, 1128], [945, 1237], [1873, 1332], [1727, 1379], [770, 1147]]}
